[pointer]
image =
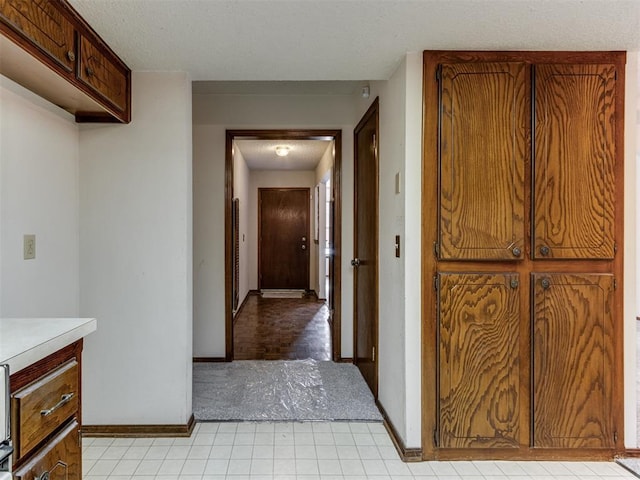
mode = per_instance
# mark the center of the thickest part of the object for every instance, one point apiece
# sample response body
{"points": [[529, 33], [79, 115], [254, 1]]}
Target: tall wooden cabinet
{"points": [[522, 211]]}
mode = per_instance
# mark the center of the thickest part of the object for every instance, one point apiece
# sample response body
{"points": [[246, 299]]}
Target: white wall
{"points": [[326, 163], [38, 195], [631, 254], [278, 179], [212, 116], [208, 241], [241, 192], [136, 258], [323, 174], [399, 346]]}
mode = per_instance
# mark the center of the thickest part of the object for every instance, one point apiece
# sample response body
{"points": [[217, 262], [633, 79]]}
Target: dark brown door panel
{"points": [[284, 238], [365, 263]]}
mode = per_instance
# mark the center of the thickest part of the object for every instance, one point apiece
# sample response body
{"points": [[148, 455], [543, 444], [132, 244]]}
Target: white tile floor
{"points": [[305, 451]]}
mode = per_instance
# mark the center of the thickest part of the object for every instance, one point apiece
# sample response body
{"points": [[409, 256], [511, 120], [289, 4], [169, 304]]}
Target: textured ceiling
{"points": [[304, 154], [344, 40]]}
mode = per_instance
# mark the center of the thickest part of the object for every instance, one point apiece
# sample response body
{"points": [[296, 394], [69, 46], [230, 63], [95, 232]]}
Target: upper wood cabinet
{"points": [[44, 24], [572, 360], [574, 161], [49, 49], [483, 151], [488, 124], [479, 400], [102, 75]]}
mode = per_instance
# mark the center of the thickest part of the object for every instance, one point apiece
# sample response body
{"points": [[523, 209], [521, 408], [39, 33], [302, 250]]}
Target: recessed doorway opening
{"points": [[262, 168]]}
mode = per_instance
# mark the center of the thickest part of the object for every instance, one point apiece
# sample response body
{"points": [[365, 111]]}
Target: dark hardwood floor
{"points": [[282, 329]]}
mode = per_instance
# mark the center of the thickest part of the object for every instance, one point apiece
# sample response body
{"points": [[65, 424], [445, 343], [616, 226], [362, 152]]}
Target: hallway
{"points": [[282, 329]]}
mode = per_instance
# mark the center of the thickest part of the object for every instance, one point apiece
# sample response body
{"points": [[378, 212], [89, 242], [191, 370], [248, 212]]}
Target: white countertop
{"points": [[24, 341]]}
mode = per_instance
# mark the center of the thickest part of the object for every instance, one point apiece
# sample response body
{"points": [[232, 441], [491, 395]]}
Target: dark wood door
{"points": [[572, 360], [283, 238], [365, 262], [483, 150], [478, 317], [574, 161]]}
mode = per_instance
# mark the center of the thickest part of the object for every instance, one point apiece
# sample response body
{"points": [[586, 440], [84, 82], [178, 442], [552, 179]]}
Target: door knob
{"points": [[355, 262], [304, 247]]}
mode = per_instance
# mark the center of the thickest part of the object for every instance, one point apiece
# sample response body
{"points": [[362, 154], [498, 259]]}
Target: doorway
{"points": [[232, 137], [365, 261]]}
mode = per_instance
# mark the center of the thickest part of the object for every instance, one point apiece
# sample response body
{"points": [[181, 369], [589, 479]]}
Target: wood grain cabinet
{"points": [[479, 351], [102, 75], [572, 360], [46, 417], [45, 26], [58, 460], [483, 153], [48, 48], [522, 206], [574, 180]]}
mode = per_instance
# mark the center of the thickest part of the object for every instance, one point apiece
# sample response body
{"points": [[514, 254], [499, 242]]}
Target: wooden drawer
{"points": [[102, 74], [43, 406], [42, 22], [60, 459]]}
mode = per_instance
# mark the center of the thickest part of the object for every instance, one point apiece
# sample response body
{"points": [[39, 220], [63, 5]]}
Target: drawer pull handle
{"points": [[64, 399]]}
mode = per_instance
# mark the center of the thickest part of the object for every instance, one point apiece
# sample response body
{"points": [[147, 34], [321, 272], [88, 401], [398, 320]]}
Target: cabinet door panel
{"points": [[42, 23], [574, 161], [59, 459], [478, 360], [572, 360], [100, 73], [483, 152]]}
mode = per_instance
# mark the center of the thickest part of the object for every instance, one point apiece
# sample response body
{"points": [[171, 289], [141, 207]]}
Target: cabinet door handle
{"points": [[63, 400], [71, 56], [89, 71]]}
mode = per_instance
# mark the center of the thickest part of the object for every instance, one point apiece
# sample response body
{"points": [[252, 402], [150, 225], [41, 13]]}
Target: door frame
{"points": [[308, 250], [372, 110], [336, 188]]}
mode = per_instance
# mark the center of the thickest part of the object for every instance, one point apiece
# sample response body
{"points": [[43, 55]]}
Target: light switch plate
{"points": [[29, 247]]}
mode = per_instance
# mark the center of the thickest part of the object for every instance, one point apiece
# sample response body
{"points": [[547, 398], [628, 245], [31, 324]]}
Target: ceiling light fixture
{"points": [[282, 150]]}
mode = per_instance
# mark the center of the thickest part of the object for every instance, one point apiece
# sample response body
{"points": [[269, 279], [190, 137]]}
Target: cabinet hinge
{"points": [[615, 284], [436, 283], [436, 249], [615, 437], [373, 354], [615, 248], [438, 73], [435, 437]]}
